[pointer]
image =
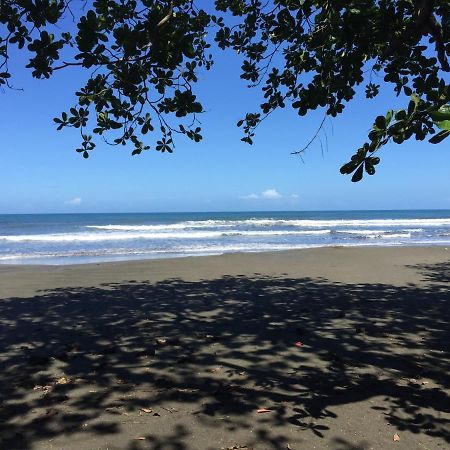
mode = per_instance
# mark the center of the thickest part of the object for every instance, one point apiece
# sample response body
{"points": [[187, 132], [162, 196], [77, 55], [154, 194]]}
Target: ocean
{"points": [[89, 238]]}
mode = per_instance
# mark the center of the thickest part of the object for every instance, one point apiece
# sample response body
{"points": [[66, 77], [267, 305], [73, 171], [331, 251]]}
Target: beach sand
{"points": [[331, 348]]}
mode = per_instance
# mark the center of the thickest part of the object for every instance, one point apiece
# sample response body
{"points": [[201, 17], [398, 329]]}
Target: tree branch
{"points": [[167, 16]]}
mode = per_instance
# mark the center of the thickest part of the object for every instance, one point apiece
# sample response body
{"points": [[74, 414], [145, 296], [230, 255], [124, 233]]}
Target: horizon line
{"points": [[227, 211]]}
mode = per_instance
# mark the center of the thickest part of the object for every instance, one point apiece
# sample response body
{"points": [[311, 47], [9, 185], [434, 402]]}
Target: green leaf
{"points": [[380, 122], [443, 125], [439, 137], [389, 115], [441, 114], [357, 176], [370, 169], [441, 117]]}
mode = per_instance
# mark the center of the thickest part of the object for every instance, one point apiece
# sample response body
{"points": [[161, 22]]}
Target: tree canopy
{"points": [[142, 60]]}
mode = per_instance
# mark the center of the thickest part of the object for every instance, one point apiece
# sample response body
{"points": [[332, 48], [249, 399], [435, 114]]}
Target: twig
{"points": [[312, 139]]}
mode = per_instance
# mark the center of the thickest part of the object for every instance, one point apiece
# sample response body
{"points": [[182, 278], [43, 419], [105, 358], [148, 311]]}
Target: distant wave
{"points": [[390, 236], [278, 222], [98, 237], [380, 234]]}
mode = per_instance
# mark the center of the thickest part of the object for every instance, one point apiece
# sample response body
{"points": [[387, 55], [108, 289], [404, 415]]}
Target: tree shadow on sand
{"points": [[178, 365]]}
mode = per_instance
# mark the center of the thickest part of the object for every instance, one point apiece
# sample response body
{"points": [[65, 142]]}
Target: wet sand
{"points": [[337, 348]]}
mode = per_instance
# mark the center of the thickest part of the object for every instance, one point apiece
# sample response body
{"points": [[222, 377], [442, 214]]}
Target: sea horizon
{"points": [[77, 238], [256, 211]]}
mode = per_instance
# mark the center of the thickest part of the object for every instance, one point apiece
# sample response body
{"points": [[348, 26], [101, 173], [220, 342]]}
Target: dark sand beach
{"points": [[331, 348]]}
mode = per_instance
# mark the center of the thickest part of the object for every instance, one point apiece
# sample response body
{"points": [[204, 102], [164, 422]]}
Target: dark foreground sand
{"points": [[181, 354]]}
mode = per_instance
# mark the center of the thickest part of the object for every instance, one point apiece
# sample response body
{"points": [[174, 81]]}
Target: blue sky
{"points": [[42, 173]]}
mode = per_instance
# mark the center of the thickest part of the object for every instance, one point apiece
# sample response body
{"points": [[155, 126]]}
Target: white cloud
{"points": [[271, 194], [249, 196], [73, 201], [294, 195], [268, 194]]}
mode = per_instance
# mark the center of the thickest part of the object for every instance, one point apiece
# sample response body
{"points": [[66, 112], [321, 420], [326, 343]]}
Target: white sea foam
{"points": [[113, 236], [111, 254], [278, 222], [98, 237], [390, 236], [374, 234], [362, 232]]}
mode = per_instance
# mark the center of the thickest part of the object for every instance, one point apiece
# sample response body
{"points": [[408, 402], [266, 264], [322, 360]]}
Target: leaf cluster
{"points": [[143, 58], [314, 53]]}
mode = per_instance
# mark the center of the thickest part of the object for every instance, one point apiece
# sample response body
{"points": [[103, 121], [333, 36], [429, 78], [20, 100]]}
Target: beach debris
{"points": [[113, 409], [396, 437], [425, 382], [288, 447], [140, 438], [236, 447], [51, 412], [146, 410], [171, 410], [263, 410], [187, 390], [45, 389], [298, 344], [161, 341], [62, 380]]}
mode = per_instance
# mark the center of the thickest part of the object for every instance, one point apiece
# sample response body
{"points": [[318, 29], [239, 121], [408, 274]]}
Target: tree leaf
{"points": [[439, 137], [357, 176]]}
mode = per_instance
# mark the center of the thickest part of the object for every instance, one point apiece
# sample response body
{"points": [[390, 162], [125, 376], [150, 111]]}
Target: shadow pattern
{"points": [[140, 365]]}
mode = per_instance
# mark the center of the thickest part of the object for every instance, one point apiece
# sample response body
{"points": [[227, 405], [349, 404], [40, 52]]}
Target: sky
{"points": [[42, 173]]}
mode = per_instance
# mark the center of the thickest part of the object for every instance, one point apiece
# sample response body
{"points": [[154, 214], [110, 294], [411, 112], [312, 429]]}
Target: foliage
{"points": [[143, 58]]}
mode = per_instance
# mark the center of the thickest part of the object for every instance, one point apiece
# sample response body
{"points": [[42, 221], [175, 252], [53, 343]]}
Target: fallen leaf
{"points": [[62, 380], [140, 438], [396, 437], [298, 344], [42, 388], [161, 341], [146, 410], [51, 412], [425, 382], [171, 410], [263, 410]]}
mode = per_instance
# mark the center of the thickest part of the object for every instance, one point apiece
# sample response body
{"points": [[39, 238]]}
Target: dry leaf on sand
{"points": [[396, 437], [263, 410]]}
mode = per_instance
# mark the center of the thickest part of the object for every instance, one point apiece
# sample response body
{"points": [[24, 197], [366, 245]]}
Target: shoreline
{"points": [[324, 348], [208, 255], [338, 263]]}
